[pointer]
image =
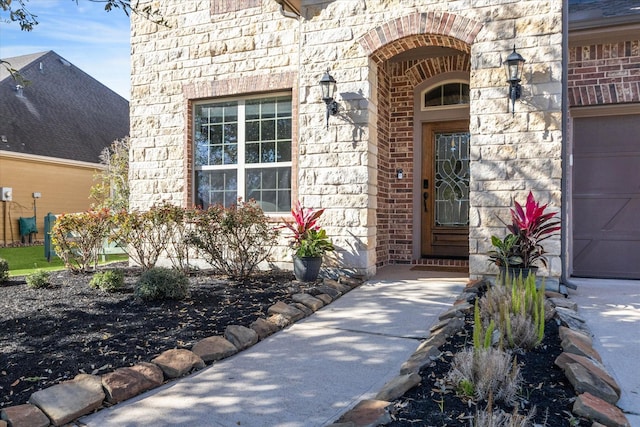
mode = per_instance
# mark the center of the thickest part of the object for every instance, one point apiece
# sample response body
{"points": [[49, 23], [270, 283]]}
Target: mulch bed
{"points": [[545, 388], [50, 335]]}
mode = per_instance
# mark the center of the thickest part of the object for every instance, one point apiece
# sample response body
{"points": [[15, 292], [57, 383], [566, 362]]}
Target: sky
{"points": [[95, 41]]}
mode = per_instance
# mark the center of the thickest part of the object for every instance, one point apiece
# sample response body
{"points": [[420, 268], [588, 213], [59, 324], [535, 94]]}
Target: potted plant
{"points": [[519, 250], [309, 242]]}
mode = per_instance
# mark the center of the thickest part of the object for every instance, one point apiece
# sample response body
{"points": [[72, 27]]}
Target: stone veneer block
{"points": [[69, 400], [178, 362], [125, 383], [214, 348], [24, 416]]}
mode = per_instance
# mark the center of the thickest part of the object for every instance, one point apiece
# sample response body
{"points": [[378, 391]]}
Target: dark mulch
{"points": [[52, 334], [545, 388]]}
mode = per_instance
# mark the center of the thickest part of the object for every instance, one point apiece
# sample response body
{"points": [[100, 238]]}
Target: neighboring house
{"points": [[424, 156], [52, 131]]}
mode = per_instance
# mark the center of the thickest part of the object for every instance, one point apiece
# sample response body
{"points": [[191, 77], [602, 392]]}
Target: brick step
{"points": [[441, 264]]}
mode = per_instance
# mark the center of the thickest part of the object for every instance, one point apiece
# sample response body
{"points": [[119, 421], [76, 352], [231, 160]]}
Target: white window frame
{"points": [[241, 166]]}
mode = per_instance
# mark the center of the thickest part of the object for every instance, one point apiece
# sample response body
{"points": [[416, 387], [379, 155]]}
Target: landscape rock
{"points": [[583, 382], [593, 408], [24, 416], [178, 362], [572, 320], [368, 412], [332, 292], [420, 358], [343, 289], [325, 298], [69, 400], [303, 308], [214, 348], [575, 345], [592, 366], [240, 336], [125, 383], [449, 327], [398, 386], [286, 310], [564, 303], [3, 423], [264, 328], [309, 301], [352, 282], [565, 332], [279, 320], [455, 311]]}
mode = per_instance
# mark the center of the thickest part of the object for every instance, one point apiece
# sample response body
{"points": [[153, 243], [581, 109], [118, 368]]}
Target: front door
{"points": [[445, 189]]}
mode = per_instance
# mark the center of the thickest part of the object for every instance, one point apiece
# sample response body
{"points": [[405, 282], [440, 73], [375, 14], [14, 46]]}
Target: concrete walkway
{"points": [[612, 311], [310, 373]]}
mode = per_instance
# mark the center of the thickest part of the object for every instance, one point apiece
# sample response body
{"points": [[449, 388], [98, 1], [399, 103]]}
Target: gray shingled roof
{"points": [[63, 112]]}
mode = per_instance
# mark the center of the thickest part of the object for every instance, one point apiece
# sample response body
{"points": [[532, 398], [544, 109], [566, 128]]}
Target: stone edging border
{"points": [[63, 403], [597, 392]]}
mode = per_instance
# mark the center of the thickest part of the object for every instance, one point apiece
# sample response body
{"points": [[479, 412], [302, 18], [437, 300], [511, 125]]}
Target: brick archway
{"points": [[417, 30], [396, 81]]}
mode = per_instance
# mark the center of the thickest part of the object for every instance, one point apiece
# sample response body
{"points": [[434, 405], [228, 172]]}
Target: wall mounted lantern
{"points": [[514, 66], [328, 86]]}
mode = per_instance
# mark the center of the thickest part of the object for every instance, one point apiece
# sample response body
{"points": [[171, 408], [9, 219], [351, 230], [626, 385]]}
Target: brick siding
{"points": [[601, 74]]}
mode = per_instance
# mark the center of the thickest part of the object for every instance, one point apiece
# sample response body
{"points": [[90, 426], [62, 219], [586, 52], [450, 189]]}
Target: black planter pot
{"points": [[306, 269]]}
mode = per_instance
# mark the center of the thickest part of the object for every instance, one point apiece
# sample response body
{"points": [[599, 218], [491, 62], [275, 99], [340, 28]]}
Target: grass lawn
{"points": [[27, 259]]}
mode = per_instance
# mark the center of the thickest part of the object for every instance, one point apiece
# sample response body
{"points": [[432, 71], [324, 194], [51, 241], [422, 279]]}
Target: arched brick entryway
{"points": [[396, 81]]}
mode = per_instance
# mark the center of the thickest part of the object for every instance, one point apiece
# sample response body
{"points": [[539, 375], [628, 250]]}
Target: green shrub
{"points": [[159, 283], [77, 238], [233, 240], [38, 279], [108, 281], [4, 270]]}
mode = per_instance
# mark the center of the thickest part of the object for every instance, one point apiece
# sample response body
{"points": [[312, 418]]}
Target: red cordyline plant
{"points": [[308, 238], [531, 225]]}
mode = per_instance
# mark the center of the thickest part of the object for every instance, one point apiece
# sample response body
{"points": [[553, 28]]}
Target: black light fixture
{"points": [[514, 66], [328, 86]]}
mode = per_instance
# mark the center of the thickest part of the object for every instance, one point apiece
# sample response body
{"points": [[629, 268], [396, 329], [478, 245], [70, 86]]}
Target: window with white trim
{"points": [[242, 149]]}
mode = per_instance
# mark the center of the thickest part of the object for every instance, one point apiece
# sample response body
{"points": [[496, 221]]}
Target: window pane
{"points": [[268, 152], [268, 109], [253, 131], [270, 188], [283, 151], [268, 128], [231, 154], [216, 187], [433, 97], [252, 110], [284, 128], [215, 155], [231, 112], [284, 107], [252, 153]]}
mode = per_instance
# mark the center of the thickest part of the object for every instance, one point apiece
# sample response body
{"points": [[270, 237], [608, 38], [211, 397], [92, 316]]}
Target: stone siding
{"points": [[350, 169]]}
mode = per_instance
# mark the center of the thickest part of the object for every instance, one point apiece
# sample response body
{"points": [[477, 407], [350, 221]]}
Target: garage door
{"points": [[606, 197]]}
